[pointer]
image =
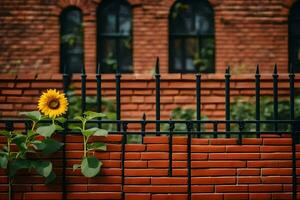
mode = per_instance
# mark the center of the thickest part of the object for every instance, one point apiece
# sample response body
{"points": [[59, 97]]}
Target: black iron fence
{"points": [[193, 127]]}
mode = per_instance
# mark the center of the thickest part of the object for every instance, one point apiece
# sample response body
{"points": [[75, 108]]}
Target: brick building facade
{"points": [[246, 33]]}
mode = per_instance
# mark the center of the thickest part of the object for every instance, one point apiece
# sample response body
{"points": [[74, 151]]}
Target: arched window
{"points": [[71, 40], [294, 36], [114, 36], [191, 32]]}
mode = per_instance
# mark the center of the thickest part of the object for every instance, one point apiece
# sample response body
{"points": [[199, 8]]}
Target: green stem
{"points": [[84, 146], [84, 139]]}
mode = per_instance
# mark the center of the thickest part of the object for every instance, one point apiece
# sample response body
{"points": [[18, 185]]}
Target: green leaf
{"points": [[3, 161], [20, 140], [90, 166], [58, 128], [31, 133], [50, 178], [92, 115], [74, 127], [46, 131], [76, 166], [43, 168], [38, 145], [96, 146], [33, 115], [51, 146], [6, 134], [95, 131], [79, 118], [60, 119], [16, 165]]}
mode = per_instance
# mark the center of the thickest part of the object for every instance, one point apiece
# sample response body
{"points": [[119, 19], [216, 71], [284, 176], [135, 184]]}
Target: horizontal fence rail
{"points": [[193, 128]]}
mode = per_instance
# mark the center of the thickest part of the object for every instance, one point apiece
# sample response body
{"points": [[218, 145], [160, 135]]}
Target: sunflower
{"points": [[53, 104]]}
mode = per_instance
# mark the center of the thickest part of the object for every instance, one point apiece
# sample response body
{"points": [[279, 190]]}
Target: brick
{"points": [[217, 164], [231, 188], [133, 196], [236, 196], [154, 156], [265, 188], [156, 189], [234, 156], [146, 172], [259, 196], [213, 180], [169, 197], [137, 180], [268, 164]]}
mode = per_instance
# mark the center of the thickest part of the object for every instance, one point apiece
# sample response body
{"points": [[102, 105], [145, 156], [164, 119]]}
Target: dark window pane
{"points": [[71, 40], [177, 55], [192, 53], [191, 22], [109, 23], [109, 61], [125, 54], [115, 44]]}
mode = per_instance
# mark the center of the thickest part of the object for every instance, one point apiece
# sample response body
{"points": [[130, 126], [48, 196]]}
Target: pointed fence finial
{"points": [[291, 68], [227, 70], [144, 116], [257, 69], [65, 69], [275, 69], [83, 70], [98, 68], [157, 66]]}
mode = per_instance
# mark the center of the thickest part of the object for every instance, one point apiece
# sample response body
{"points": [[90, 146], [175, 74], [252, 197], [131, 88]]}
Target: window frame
{"points": [[117, 37], [184, 36]]}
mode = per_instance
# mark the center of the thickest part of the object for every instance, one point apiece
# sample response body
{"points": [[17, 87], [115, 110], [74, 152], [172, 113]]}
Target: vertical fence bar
{"points": [[143, 127], [275, 97], [171, 129], [198, 103], [83, 90], [241, 128], [65, 131], [157, 94], [99, 92], [124, 141], [294, 135], [189, 126], [215, 131], [118, 97], [227, 100], [257, 101]]}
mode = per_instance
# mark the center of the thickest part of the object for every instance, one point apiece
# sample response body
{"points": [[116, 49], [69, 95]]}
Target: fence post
{"points": [[257, 101], [294, 131], [227, 100], [171, 129], [157, 93], [275, 97], [99, 92], [124, 141], [118, 98], [189, 126], [198, 103]]}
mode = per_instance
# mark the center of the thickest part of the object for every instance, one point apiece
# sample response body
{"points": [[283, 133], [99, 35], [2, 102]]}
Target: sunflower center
{"points": [[53, 104]]}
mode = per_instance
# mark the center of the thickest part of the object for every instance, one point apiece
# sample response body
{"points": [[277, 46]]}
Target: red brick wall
{"points": [[247, 33], [221, 170]]}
